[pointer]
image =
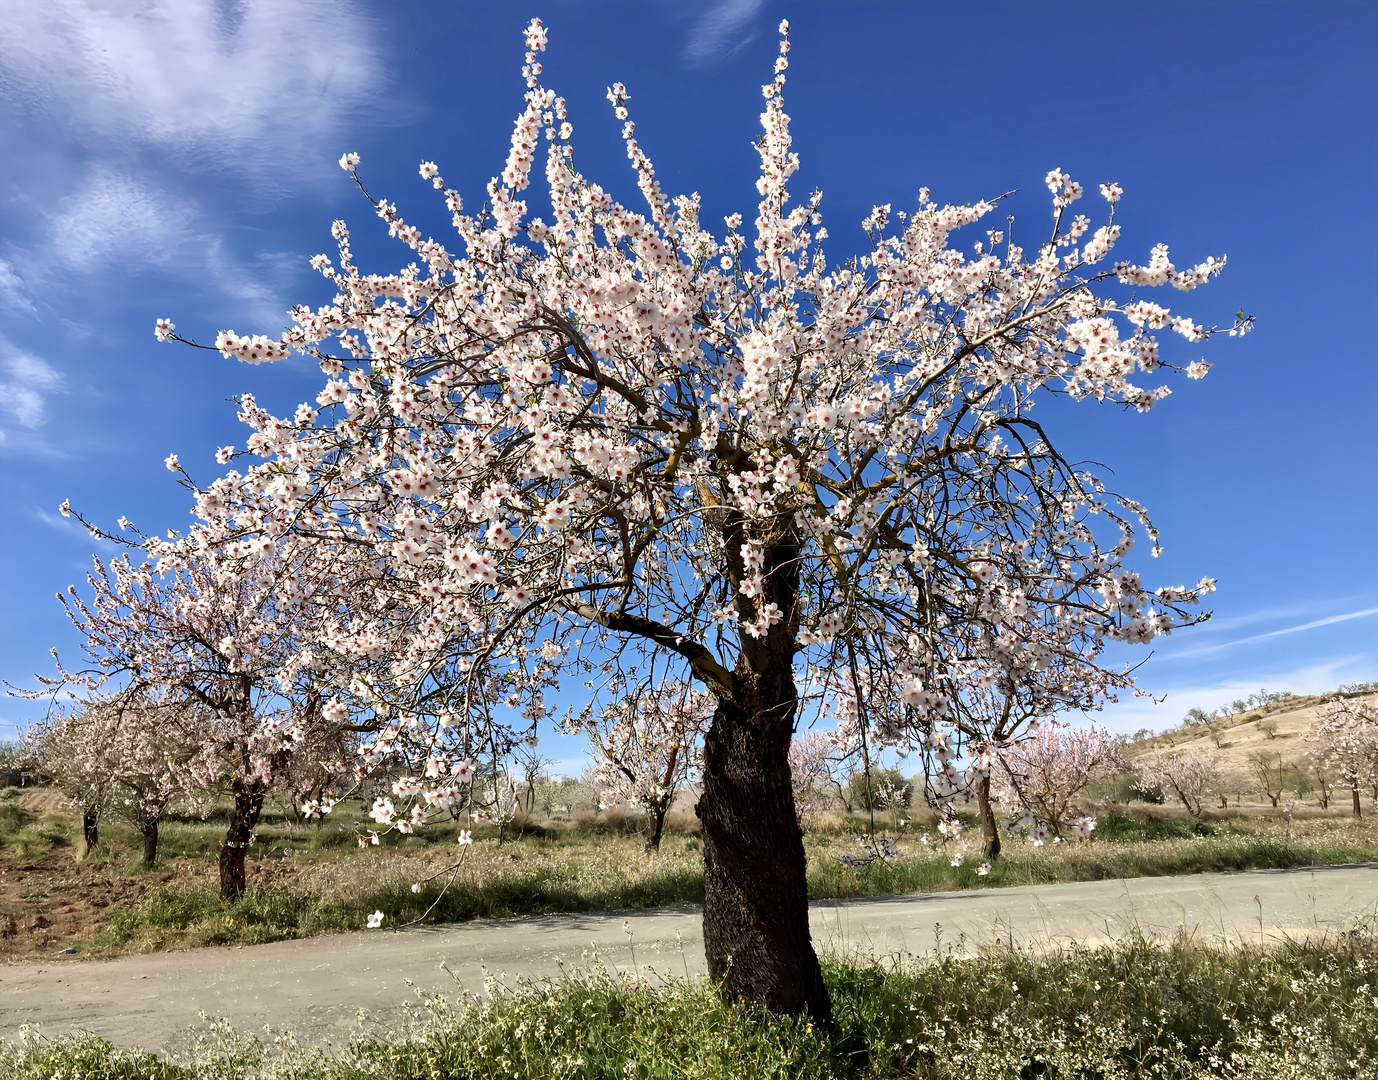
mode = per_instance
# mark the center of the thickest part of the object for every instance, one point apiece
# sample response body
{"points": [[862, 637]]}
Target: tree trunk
{"points": [[248, 803], [756, 910], [150, 831], [990, 834], [91, 830], [1358, 812], [655, 823], [1275, 799], [756, 901]]}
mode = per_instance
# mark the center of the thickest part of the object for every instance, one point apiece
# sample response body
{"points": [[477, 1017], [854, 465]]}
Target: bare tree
{"points": [[1271, 772]]}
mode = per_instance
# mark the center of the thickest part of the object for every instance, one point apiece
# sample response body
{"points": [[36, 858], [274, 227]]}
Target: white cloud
{"points": [[72, 527], [1171, 653], [114, 221], [114, 218], [126, 101], [13, 291], [1312, 625], [718, 32], [233, 82], [26, 383]]}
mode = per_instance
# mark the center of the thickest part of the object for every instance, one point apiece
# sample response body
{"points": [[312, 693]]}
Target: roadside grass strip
{"points": [[1302, 1011]]}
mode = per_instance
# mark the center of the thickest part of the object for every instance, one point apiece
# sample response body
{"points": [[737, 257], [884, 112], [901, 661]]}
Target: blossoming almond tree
{"points": [[1042, 774], [647, 746], [130, 756], [1347, 734], [1189, 776], [814, 765], [611, 425], [216, 635]]}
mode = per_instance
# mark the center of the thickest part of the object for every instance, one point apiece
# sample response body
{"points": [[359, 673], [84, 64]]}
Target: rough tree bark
{"points": [[756, 910], [1358, 811], [90, 827], [248, 803], [150, 834], [990, 833], [655, 828]]}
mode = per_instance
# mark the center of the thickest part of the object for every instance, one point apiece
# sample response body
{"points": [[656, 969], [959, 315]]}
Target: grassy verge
{"points": [[306, 881], [1305, 1011], [549, 875], [523, 878]]}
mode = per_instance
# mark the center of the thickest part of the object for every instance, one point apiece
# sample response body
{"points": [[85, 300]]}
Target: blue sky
{"points": [[178, 159]]}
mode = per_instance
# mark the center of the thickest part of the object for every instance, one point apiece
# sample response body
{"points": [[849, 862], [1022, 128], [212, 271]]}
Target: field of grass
{"points": [[311, 880], [1305, 1011]]}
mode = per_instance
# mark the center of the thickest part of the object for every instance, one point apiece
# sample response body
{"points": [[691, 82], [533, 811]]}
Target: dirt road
{"points": [[317, 986]]}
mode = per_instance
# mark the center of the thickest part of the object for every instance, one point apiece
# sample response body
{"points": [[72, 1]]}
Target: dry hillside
{"points": [[1275, 730]]}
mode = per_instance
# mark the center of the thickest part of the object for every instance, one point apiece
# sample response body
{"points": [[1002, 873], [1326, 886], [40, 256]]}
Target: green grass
{"points": [[311, 880], [1116, 825], [192, 917], [27, 835], [182, 916], [327, 888], [1305, 1011]]}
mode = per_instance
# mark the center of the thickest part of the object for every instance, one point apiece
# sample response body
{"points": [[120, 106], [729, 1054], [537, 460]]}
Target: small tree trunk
{"points": [[756, 910], [150, 831], [91, 831], [1358, 812], [248, 803], [1274, 798], [655, 827], [990, 833]]}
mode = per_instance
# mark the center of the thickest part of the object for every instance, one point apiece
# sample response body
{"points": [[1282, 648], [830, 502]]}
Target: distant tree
{"points": [[647, 746], [223, 642], [1046, 773], [879, 788], [1321, 773], [813, 767], [1346, 735], [1271, 772], [130, 756], [1188, 776]]}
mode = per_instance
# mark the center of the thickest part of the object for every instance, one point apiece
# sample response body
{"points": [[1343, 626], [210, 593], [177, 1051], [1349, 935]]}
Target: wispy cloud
{"points": [[1307, 626], [113, 217], [25, 385], [1204, 651], [720, 31], [115, 221], [228, 83], [128, 106], [72, 527], [13, 292]]}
